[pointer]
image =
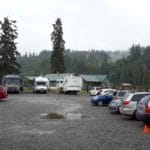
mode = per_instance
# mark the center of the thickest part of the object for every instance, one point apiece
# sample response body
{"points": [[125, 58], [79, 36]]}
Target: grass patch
{"points": [[27, 90], [53, 91], [83, 92]]}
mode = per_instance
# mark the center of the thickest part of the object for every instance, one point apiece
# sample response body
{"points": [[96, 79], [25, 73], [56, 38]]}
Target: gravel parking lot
{"points": [[22, 126]]}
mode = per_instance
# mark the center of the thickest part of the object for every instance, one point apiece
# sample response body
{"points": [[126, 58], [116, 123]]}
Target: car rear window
{"points": [[121, 94], [145, 100], [137, 97], [126, 96]]}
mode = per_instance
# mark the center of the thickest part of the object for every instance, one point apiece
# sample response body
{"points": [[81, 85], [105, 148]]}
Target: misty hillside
{"points": [[88, 62]]}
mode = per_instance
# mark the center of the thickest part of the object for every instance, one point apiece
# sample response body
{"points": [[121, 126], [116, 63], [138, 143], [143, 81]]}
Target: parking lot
{"points": [[23, 127]]}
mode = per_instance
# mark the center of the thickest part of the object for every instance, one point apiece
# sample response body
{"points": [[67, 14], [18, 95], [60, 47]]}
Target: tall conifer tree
{"points": [[57, 57], [8, 49]]}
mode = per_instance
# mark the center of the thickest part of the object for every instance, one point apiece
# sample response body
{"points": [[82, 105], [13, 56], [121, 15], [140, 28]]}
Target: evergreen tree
{"points": [[8, 49], [135, 52], [57, 57]]}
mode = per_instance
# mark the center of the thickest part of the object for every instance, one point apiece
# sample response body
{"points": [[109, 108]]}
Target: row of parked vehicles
{"points": [[40, 84], [126, 102], [14, 84]]}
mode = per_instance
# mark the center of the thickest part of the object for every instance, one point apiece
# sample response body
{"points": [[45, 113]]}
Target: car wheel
{"points": [[146, 122], [100, 103], [119, 110], [134, 115]]}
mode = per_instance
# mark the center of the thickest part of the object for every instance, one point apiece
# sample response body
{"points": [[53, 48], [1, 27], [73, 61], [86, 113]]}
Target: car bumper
{"points": [[139, 116], [127, 111], [94, 102], [3, 95], [114, 108]]}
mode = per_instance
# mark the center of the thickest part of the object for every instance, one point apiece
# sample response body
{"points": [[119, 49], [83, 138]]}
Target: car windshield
{"points": [[12, 81], [41, 83]]}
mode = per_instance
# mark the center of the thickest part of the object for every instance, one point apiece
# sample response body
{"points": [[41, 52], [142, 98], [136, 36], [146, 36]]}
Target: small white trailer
{"points": [[69, 84], [41, 85]]}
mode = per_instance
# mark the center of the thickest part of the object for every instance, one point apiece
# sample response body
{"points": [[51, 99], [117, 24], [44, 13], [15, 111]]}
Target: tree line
{"points": [[134, 69], [75, 61], [131, 66]]}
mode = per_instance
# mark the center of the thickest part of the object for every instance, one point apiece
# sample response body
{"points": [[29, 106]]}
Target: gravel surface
{"points": [[23, 128]]}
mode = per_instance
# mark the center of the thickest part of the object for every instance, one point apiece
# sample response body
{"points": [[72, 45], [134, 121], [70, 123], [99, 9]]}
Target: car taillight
{"points": [[126, 102], [147, 108]]}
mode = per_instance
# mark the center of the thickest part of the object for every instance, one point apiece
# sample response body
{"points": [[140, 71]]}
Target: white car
{"points": [[95, 90], [129, 103], [104, 91]]}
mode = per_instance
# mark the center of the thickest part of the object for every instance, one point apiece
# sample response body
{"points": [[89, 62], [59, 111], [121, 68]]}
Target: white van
{"points": [[41, 85], [95, 90]]}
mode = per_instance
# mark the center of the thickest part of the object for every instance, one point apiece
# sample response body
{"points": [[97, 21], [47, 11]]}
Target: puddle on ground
{"points": [[52, 116], [68, 116]]}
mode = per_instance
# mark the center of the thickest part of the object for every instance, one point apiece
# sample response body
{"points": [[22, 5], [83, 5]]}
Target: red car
{"points": [[3, 92]]}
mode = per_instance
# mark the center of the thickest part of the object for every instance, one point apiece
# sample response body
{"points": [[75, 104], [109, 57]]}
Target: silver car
{"points": [[115, 104], [143, 110], [128, 106]]}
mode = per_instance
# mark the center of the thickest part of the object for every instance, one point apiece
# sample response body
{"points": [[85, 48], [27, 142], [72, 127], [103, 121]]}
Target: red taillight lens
{"points": [[126, 102], [147, 108]]}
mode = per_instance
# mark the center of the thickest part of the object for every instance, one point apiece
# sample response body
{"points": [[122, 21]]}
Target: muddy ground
{"points": [[25, 126]]}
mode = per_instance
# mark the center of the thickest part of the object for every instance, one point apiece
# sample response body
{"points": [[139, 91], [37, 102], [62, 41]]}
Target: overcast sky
{"points": [[87, 24]]}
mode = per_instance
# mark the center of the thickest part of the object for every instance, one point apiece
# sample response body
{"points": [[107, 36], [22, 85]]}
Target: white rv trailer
{"points": [[69, 84]]}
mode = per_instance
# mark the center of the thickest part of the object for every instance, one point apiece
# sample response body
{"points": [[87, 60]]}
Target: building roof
{"points": [[87, 78], [94, 78], [55, 77]]}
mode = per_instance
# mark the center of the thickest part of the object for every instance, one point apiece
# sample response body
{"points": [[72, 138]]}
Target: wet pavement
{"points": [[65, 122]]}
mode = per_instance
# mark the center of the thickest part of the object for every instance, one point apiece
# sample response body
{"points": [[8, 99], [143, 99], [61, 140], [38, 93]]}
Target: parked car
{"points": [[95, 90], [104, 91], [101, 100], [128, 106], [143, 110], [3, 92], [115, 104]]}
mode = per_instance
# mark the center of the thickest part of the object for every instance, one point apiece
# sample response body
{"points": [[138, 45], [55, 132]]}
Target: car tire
{"points": [[134, 115], [118, 112], [100, 103], [146, 122]]}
